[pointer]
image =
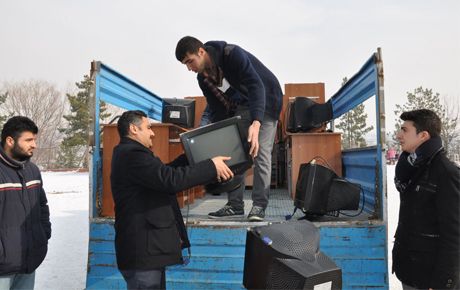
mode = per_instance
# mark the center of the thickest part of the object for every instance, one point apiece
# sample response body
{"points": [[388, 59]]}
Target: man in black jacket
{"points": [[24, 214], [235, 82], [426, 252], [149, 228]]}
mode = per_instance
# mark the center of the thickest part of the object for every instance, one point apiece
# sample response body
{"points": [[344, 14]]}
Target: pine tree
{"points": [[354, 127], [425, 99], [74, 146]]}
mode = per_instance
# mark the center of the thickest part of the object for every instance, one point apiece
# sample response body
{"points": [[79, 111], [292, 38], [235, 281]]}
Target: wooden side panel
{"points": [[306, 146], [200, 105], [110, 139], [161, 141]]}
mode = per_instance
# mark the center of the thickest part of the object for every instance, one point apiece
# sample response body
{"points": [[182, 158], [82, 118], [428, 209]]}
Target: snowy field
{"points": [[68, 198]]}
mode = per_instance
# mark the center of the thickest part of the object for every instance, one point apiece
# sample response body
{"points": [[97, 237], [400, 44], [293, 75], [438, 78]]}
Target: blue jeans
{"points": [[145, 279], [17, 281]]}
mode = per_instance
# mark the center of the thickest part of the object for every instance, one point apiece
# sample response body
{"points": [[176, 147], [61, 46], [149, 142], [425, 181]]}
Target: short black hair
{"points": [[17, 125], [424, 120], [127, 118], [187, 44]]}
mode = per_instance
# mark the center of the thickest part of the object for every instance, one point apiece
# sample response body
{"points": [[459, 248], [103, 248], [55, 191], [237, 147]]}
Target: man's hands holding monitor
{"points": [[223, 172]]}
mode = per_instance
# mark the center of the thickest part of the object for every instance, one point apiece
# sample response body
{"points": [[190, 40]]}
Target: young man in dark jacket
{"points": [[149, 229], [25, 226], [426, 252], [235, 82]]}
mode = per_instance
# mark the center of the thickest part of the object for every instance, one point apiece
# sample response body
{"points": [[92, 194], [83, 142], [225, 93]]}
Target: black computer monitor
{"points": [[179, 111], [224, 138], [320, 190], [287, 256]]}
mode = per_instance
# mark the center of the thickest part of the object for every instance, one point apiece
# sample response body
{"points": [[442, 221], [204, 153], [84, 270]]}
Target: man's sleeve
{"points": [[239, 64], [150, 172], [447, 271], [45, 212]]}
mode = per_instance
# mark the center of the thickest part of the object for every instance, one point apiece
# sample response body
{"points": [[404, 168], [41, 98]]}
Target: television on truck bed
{"points": [[224, 138]]}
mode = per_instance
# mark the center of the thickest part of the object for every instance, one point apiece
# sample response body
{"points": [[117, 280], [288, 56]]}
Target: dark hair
{"points": [[424, 120], [15, 126], [187, 44], [127, 118]]}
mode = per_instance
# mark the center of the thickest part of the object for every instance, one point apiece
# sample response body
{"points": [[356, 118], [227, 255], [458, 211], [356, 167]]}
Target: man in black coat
{"points": [[24, 214], [426, 252], [149, 229]]}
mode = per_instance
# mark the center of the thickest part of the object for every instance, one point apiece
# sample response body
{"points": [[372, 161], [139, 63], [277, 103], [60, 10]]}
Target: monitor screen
{"points": [[223, 138], [218, 143]]}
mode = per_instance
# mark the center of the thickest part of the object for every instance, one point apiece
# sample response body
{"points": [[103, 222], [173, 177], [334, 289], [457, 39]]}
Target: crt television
{"points": [[179, 111], [224, 138], [320, 190], [287, 256]]}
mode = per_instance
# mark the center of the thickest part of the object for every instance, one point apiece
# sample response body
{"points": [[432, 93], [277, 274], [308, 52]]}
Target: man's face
{"points": [[23, 148], [195, 62], [408, 137], [142, 133]]}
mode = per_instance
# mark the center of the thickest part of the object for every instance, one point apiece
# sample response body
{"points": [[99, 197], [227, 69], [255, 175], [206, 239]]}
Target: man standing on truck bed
{"points": [[149, 228], [25, 226], [235, 82], [426, 252]]}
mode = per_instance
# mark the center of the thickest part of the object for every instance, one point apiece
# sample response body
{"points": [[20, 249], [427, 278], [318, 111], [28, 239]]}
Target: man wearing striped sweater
{"points": [[25, 226]]}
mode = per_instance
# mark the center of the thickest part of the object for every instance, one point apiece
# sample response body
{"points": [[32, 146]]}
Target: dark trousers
{"points": [[147, 279]]}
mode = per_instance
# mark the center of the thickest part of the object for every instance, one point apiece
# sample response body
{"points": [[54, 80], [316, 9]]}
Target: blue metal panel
{"points": [[360, 166], [358, 89], [218, 257], [120, 91]]}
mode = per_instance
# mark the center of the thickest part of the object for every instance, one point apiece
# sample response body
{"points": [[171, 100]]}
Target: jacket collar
{"points": [[10, 161], [127, 140]]}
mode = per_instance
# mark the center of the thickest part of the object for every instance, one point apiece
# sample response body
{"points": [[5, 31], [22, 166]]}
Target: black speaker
{"points": [[287, 256]]}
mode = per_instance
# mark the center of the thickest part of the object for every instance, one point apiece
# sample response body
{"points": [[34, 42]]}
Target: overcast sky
{"points": [[300, 41]]}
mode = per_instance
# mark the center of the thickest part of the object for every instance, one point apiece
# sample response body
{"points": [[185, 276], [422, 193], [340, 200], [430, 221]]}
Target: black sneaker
{"points": [[226, 212], [257, 214]]}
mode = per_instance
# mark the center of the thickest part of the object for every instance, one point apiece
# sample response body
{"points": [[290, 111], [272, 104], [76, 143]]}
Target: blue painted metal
{"points": [[357, 90], [218, 257], [360, 166]]}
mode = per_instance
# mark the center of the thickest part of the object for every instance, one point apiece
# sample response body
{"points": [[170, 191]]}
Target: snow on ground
{"points": [[65, 264], [68, 199]]}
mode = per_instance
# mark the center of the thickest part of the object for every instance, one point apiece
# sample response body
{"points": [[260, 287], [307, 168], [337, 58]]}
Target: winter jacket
{"points": [[426, 253], [149, 228], [257, 87], [25, 226]]}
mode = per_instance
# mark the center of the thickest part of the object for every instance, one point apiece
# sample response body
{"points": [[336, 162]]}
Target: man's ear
{"points": [[9, 141], [133, 129], [425, 135], [201, 51]]}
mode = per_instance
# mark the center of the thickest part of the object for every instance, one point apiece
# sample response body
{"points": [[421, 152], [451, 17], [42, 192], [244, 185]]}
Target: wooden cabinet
{"points": [[303, 147], [166, 145]]}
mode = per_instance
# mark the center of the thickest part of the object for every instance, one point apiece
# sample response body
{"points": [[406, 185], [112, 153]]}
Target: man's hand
{"points": [[253, 138], [223, 172]]}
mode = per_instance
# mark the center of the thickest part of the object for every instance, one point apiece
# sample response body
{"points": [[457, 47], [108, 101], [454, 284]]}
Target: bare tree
{"points": [[44, 104]]}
